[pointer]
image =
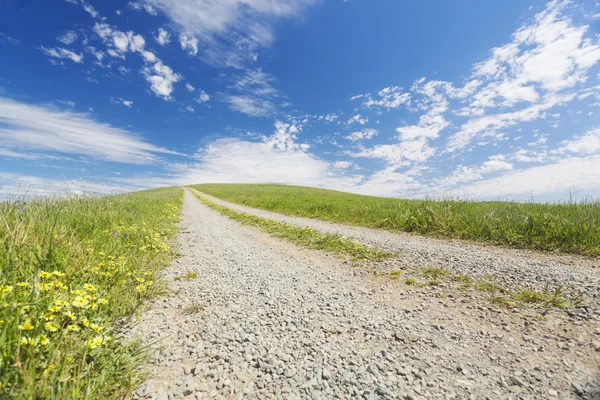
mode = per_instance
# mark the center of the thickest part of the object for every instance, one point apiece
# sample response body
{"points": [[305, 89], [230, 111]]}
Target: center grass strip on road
{"points": [[69, 270], [565, 227], [303, 236]]}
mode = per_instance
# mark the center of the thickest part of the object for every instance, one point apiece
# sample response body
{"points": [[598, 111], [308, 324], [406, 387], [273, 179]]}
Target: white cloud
{"points": [[279, 158], [189, 87], [59, 52], [256, 93], [587, 143], [68, 37], [404, 153], [126, 103], [163, 37], [357, 119], [160, 76], [189, 43], [41, 128], [203, 98], [231, 30], [250, 105], [579, 174], [344, 164], [136, 5], [361, 135], [389, 97]]}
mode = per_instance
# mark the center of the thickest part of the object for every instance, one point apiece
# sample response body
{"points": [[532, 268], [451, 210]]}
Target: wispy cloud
{"points": [[59, 52], [25, 127], [230, 31], [68, 37]]}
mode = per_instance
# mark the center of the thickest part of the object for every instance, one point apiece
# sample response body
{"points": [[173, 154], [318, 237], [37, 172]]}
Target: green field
{"points": [[69, 269], [569, 227]]}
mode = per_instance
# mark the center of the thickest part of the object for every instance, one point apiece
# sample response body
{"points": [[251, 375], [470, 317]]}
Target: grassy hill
{"points": [[571, 228]]}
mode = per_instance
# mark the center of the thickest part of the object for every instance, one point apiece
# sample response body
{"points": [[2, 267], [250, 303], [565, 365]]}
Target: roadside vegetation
{"points": [[566, 227], [307, 237], [558, 297], [69, 270]]}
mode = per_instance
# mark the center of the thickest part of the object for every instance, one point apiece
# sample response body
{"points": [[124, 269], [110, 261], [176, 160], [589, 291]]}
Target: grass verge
{"points": [[69, 269], [569, 227], [306, 237]]}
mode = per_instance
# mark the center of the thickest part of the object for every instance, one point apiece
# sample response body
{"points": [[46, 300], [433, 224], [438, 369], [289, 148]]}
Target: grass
{"points": [[306, 236], [189, 275], [566, 227], [434, 272], [410, 281], [69, 269], [193, 309]]}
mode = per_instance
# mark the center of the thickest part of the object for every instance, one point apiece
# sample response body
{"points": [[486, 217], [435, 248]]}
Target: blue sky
{"points": [[481, 100]]}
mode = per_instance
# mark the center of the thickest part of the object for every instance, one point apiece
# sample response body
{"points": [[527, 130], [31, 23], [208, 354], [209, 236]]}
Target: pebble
{"points": [[280, 322]]}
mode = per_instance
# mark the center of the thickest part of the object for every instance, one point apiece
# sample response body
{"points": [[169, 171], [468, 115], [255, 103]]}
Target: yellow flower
{"points": [[4, 290], [79, 302], [44, 274], [61, 303], [71, 316], [78, 292], [23, 284], [96, 328], [72, 328], [54, 309], [26, 341], [59, 274], [48, 316], [90, 251], [89, 288], [27, 326], [43, 339], [103, 301], [85, 322], [98, 341], [50, 326]]}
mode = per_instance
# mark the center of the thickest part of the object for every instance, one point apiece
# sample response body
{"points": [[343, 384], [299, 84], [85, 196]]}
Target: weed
{"points": [[410, 281], [395, 274], [189, 275], [193, 308], [548, 298], [433, 282], [489, 287], [499, 300], [434, 272]]}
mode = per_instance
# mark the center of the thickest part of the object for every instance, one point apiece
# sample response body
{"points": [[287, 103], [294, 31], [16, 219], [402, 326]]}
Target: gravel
{"points": [[511, 267], [278, 321]]}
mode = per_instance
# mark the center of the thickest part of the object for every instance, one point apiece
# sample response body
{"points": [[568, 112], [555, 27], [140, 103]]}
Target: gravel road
{"points": [[265, 319], [511, 267]]}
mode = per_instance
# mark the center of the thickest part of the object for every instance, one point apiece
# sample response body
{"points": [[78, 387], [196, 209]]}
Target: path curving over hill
{"points": [[265, 319]]}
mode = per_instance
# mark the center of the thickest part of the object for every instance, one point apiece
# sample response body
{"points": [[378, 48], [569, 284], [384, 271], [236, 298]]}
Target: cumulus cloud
{"points": [[160, 76], [163, 38], [203, 97], [361, 135], [189, 43]]}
